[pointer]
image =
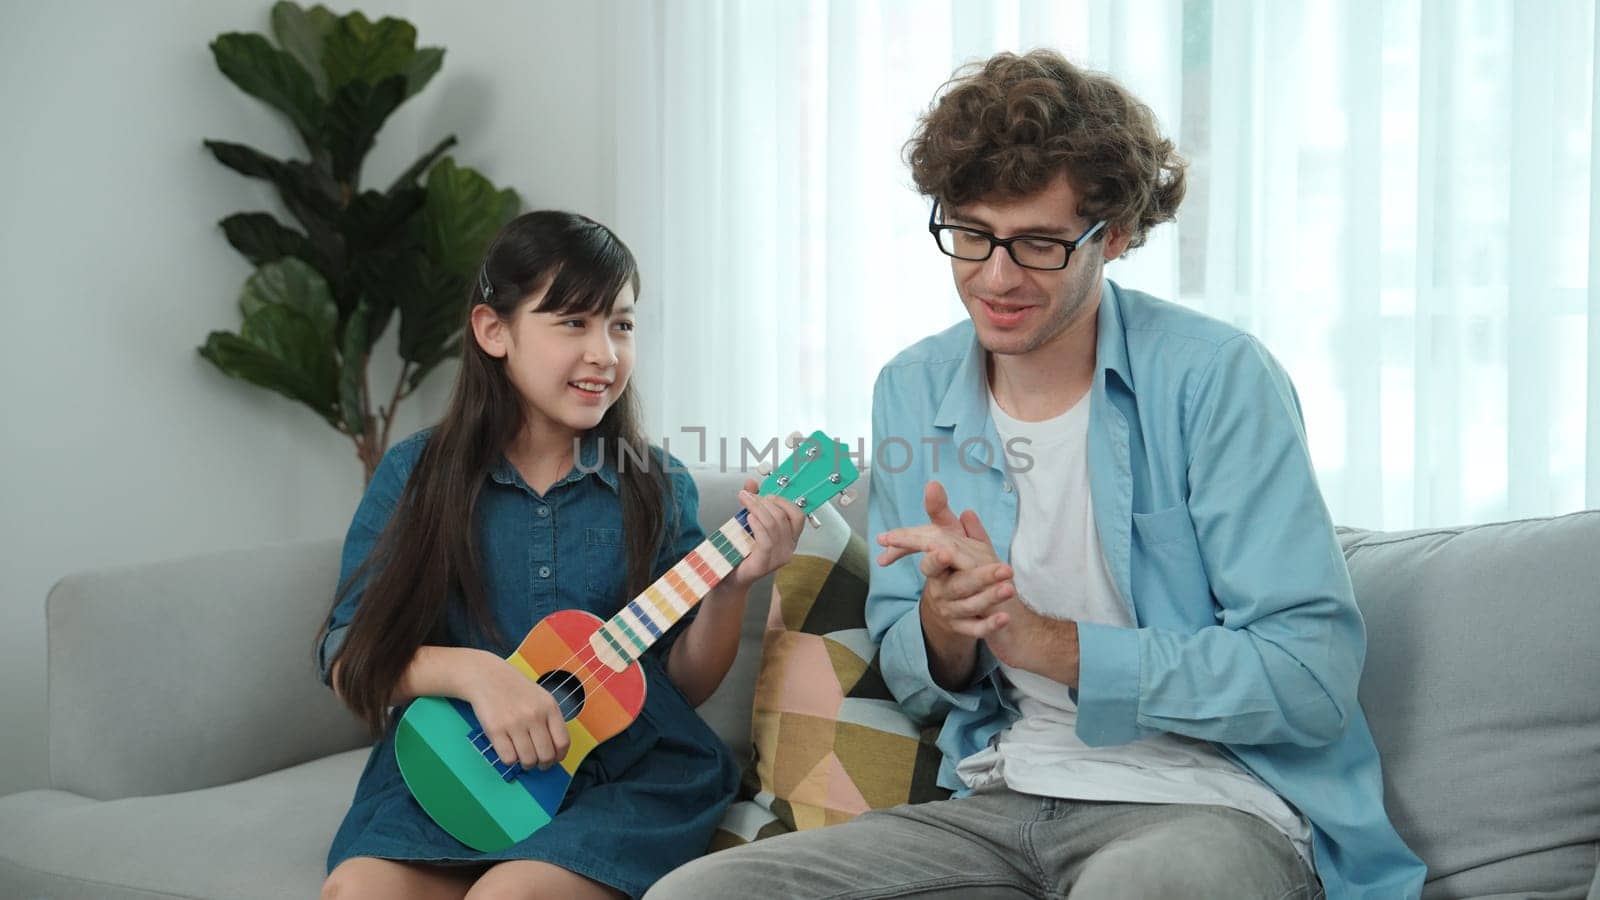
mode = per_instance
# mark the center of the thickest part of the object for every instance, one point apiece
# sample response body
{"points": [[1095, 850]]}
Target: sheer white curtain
{"points": [[1395, 195]]}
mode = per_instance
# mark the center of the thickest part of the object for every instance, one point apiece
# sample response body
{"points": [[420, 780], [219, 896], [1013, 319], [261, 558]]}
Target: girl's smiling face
{"points": [[569, 368]]}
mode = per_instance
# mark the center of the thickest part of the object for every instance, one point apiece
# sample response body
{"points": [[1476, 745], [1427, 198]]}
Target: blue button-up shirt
{"points": [[1207, 509]]}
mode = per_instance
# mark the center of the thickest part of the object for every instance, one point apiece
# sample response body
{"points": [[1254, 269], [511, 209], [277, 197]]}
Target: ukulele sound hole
{"points": [[567, 688]]}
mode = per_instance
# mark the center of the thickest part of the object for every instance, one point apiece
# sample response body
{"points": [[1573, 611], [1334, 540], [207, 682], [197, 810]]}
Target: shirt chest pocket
{"points": [[605, 566], [1169, 578]]}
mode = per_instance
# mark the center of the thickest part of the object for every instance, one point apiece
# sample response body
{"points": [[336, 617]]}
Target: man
{"points": [[1140, 633]]}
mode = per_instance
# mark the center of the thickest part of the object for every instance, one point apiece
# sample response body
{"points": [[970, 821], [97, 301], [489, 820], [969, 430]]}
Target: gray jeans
{"points": [[999, 843]]}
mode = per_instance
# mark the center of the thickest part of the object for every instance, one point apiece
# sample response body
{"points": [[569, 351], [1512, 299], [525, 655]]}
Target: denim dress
{"points": [[643, 802]]}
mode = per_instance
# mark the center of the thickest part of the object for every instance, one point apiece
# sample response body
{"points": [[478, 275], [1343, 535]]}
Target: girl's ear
{"points": [[489, 331]]}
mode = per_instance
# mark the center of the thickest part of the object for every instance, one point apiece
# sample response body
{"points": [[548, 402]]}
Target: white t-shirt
{"points": [[1060, 571]]}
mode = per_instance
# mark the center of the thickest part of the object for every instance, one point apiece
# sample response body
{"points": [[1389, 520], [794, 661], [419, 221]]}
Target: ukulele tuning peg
{"points": [[815, 522], [793, 440], [847, 496], [764, 468]]}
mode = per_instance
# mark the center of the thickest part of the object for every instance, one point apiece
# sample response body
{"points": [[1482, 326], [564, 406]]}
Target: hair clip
{"points": [[485, 288]]}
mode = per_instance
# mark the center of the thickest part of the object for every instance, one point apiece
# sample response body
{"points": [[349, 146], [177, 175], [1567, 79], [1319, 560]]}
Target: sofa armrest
{"points": [[1594, 886], [187, 674]]}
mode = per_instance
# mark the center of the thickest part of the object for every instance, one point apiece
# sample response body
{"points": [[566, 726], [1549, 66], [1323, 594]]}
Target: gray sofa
{"points": [[193, 753]]}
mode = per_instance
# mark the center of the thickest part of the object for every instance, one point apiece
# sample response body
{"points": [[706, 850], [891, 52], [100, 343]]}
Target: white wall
{"points": [[119, 444]]}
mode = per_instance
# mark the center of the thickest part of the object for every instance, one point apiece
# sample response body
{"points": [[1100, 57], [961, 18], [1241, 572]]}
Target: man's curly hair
{"points": [[1005, 128]]}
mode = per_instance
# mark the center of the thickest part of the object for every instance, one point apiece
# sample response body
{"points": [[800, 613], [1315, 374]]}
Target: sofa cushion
{"points": [[262, 839], [1482, 688], [829, 740], [728, 710], [193, 665]]}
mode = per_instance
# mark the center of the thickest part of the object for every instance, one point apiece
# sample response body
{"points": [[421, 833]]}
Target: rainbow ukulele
{"points": [[591, 669]]}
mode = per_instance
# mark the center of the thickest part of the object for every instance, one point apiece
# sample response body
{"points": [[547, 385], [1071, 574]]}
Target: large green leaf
{"points": [[353, 350], [409, 177], [462, 213], [279, 349], [308, 192], [262, 239], [273, 76], [378, 279], [432, 304], [358, 110], [301, 33], [379, 233], [292, 283], [294, 338], [297, 182], [245, 160], [359, 50], [293, 178], [423, 66], [374, 221]]}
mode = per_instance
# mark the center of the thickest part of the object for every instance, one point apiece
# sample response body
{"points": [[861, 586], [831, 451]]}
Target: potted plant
{"points": [[323, 293]]}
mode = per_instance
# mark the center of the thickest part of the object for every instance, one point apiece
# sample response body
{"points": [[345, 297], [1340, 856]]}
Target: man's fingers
{"points": [[969, 582], [937, 505], [934, 562], [981, 628], [980, 604], [903, 542], [916, 538], [994, 623], [974, 527], [893, 555], [961, 551]]}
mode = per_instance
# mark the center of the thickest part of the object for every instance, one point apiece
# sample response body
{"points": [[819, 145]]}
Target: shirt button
{"points": [[1006, 487], [544, 511], [544, 571]]}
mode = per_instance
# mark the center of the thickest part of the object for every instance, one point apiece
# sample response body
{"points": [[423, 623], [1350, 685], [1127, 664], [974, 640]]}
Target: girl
{"points": [[516, 505]]}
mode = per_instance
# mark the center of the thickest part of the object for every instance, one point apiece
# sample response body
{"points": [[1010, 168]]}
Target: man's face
{"points": [[1018, 310]]}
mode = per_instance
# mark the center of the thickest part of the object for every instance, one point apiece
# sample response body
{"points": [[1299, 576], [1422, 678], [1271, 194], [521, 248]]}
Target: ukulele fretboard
{"points": [[647, 617]]}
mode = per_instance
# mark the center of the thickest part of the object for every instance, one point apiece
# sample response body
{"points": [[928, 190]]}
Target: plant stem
{"points": [[368, 449], [394, 401]]}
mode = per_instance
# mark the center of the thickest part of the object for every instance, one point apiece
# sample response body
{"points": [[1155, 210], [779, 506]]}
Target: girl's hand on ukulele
{"points": [[521, 719], [775, 525]]}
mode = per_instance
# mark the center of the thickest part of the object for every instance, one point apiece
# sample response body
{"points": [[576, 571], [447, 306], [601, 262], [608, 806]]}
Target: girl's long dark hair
{"points": [[427, 556]]}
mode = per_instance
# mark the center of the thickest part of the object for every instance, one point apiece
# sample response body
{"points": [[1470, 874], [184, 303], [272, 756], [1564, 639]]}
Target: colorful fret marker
{"points": [[644, 618], [613, 642], [660, 602]]}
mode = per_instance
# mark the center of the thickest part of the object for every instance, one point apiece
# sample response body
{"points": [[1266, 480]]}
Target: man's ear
{"points": [[1116, 242], [489, 330]]}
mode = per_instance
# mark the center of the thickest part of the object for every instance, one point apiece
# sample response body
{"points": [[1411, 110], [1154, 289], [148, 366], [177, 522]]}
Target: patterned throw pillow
{"points": [[830, 741]]}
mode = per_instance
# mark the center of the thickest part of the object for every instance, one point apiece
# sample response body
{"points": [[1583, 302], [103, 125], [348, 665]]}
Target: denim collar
{"points": [[592, 460]]}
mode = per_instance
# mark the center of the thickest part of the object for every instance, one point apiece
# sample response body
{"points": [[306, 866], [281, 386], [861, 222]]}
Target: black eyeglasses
{"points": [[1028, 251]]}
